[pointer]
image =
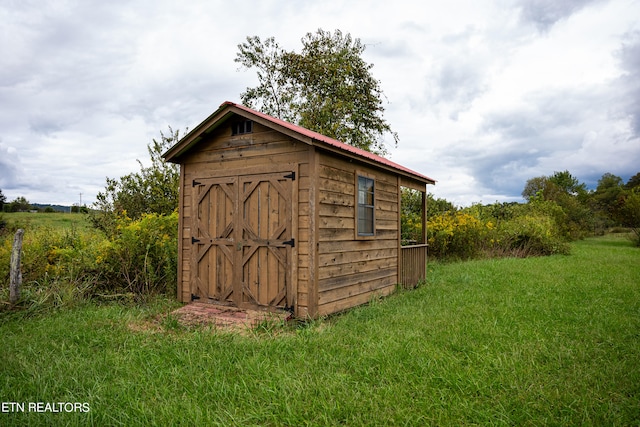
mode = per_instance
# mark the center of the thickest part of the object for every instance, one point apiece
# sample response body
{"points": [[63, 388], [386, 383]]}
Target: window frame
{"points": [[366, 234]]}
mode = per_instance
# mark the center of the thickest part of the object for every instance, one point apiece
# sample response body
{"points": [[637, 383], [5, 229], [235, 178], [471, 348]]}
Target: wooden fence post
{"points": [[16, 273]]}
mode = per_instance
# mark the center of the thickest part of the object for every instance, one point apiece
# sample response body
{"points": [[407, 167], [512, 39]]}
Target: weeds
{"points": [[72, 262], [482, 232], [171, 323]]}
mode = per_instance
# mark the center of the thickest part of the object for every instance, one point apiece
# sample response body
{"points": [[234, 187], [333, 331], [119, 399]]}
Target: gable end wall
{"points": [[221, 154]]}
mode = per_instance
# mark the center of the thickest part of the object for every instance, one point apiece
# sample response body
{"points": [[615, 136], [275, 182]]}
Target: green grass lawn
{"points": [[539, 341]]}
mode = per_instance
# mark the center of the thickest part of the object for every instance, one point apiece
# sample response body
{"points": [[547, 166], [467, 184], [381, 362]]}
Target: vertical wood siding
{"points": [[413, 267]]}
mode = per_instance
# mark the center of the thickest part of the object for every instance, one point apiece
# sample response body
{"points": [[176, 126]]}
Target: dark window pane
{"points": [[366, 200]]}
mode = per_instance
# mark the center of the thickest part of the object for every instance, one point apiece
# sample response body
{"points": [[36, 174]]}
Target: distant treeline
{"points": [[57, 208]]}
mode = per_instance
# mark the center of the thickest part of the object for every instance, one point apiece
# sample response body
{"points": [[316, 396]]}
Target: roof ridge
{"points": [[327, 140]]}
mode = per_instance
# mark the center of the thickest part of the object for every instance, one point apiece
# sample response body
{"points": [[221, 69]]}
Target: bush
{"points": [[411, 228], [48, 252], [631, 214], [531, 235], [142, 256], [498, 230], [58, 266], [456, 235], [64, 265]]}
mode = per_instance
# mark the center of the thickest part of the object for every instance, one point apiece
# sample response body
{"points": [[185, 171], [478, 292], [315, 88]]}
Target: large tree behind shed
{"points": [[327, 87]]}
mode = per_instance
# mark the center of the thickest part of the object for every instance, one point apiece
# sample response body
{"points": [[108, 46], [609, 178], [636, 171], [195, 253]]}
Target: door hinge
{"points": [[291, 243], [194, 240], [195, 183], [194, 297], [291, 176]]}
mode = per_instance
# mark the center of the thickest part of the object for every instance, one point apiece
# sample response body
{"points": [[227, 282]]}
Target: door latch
{"points": [[291, 243]]}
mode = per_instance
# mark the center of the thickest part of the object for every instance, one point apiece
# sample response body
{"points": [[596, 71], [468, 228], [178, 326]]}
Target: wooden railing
{"points": [[413, 266]]}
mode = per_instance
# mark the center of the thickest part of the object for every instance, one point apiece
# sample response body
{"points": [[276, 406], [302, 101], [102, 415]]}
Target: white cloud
{"points": [[484, 95]]}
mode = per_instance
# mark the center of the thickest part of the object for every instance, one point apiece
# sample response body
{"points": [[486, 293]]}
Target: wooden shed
{"points": [[275, 216]]}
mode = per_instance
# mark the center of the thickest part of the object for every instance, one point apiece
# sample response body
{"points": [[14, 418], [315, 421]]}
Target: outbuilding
{"points": [[275, 216]]}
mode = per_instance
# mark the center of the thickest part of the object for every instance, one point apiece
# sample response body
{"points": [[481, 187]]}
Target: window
{"points": [[239, 128], [366, 199]]}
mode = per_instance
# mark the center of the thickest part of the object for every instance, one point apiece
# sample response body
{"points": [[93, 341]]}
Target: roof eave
{"points": [[294, 131], [190, 139], [395, 168]]}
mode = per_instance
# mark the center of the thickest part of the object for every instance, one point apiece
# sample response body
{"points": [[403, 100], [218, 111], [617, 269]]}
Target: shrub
{"points": [[531, 234], [51, 252], [532, 229], [411, 228], [142, 256], [456, 235], [630, 213], [498, 230], [58, 266], [64, 265]]}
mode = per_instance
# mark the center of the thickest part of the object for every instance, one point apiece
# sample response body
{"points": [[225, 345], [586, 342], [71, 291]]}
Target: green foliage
{"points": [[568, 193], [630, 213], [411, 213], [411, 216], [531, 234], [58, 266], [20, 204], [559, 210], [606, 200], [538, 187], [436, 206], [74, 209], [633, 182], [327, 88], [456, 235], [554, 186], [131, 248], [62, 263], [411, 225], [584, 212], [274, 93], [3, 199], [50, 252], [152, 190], [580, 219], [618, 203], [141, 257], [568, 184], [498, 230]]}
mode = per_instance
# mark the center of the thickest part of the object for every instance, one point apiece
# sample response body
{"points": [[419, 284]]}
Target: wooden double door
{"points": [[242, 239]]}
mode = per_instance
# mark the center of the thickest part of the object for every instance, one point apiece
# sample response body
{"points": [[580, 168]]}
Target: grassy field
{"points": [[54, 220], [538, 341]]}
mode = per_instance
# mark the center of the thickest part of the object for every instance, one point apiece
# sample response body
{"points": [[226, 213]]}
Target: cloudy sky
{"points": [[483, 94]]}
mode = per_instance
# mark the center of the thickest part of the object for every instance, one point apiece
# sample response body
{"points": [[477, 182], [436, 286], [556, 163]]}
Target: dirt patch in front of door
{"points": [[220, 316]]}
